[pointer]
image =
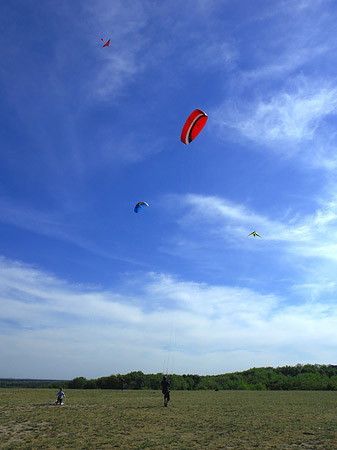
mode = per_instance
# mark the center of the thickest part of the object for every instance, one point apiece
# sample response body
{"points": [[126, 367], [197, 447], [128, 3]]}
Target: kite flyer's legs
{"points": [[166, 398]]}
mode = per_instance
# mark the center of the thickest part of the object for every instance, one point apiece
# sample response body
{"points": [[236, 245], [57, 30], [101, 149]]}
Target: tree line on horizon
{"points": [[299, 377], [31, 383]]}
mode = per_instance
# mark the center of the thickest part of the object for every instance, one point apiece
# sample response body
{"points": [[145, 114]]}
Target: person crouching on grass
{"points": [[165, 385], [60, 396]]}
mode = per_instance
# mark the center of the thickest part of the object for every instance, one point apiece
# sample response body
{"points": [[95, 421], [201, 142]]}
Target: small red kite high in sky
{"points": [[107, 44]]}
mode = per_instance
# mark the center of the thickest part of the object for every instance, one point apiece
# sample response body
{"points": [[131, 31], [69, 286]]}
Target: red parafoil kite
{"points": [[193, 125]]}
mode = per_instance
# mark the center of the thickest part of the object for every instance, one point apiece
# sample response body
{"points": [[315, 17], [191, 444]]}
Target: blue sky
{"points": [[88, 287]]}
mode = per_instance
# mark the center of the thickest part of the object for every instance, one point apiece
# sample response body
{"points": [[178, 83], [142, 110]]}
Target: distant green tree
{"points": [[332, 384], [196, 380], [208, 382], [101, 383], [188, 381], [77, 383], [152, 381], [135, 380], [178, 382], [90, 384]]}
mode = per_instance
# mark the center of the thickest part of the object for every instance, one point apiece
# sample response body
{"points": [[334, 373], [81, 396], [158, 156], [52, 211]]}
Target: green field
{"points": [[106, 419]]}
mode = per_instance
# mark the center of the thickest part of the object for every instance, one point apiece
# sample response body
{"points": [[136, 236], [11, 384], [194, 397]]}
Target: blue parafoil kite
{"points": [[139, 206]]}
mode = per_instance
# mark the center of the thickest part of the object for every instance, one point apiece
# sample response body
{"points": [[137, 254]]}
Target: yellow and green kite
{"points": [[254, 233]]}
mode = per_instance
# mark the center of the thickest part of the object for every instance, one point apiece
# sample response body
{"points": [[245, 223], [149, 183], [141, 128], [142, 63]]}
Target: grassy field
{"points": [[135, 420]]}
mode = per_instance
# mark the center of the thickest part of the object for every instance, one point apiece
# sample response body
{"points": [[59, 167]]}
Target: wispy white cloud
{"points": [[284, 98], [285, 64], [288, 118], [212, 53], [96, 332], [228, 219], [124, 24], [57, 225], [29, 219], [225, 215], [301, 244], [298, 31]]}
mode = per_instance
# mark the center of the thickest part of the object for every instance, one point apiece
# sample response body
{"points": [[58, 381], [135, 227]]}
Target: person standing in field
{"points": [[60, 396], [165, 388]]}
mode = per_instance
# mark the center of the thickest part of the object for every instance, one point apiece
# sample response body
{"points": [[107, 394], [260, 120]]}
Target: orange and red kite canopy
{"points": [[193, 125]]}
